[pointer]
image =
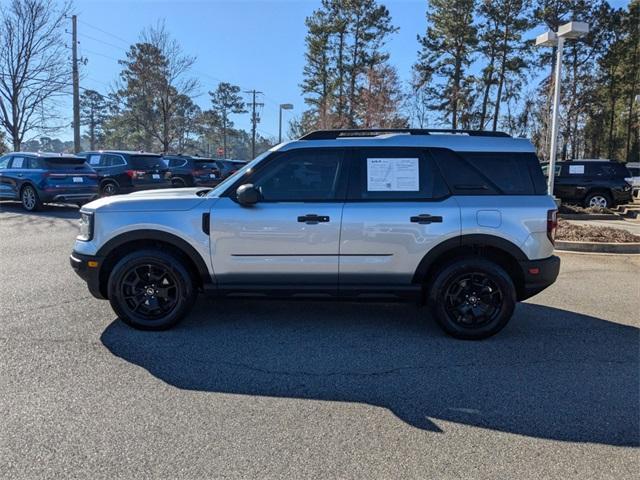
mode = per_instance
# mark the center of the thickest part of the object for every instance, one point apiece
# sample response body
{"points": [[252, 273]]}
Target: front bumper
{"points": [[89, 272], [538, 275]]}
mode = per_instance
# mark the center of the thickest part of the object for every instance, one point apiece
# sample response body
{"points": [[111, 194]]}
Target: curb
{"points": [[597, 247], [589, 216]]}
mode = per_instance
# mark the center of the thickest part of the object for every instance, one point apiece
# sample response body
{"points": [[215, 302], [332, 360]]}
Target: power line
{"points": [[117, 47], [106, 32]]}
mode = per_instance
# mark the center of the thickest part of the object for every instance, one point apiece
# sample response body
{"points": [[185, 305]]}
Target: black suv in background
{"points": [[125, 172], [188, 171], [229, 167], [592, 183]]}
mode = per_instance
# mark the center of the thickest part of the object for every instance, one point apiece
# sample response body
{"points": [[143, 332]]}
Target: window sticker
{"points": [[576, 169], [393, 175], [94, 160], [17, 162]]}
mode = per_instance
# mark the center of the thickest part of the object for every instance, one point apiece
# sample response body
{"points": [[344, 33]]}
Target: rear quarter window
{"points": [[512, 173], [146, 162]]}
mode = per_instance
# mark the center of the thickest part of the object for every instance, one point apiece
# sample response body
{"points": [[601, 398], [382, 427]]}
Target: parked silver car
{"points": [[459, 219]]}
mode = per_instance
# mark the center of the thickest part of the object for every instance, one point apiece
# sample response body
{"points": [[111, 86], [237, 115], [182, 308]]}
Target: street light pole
{"points": [[553, 150], [570, 30], [283, 106]]}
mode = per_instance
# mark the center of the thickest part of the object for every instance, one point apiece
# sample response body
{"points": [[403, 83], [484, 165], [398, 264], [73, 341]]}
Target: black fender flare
{"points": [[470, 240], [160, 236]]}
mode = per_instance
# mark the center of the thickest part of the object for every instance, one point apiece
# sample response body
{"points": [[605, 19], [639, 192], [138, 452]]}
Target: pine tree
{"points": [[447, 47], [93, 113], [226, 100]]}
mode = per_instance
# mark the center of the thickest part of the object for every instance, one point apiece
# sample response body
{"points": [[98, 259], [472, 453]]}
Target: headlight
{"points": [[86, 227]]}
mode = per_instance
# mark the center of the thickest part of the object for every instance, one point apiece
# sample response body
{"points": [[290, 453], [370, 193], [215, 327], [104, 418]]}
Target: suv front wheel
{"points": [[151, 290], [472, 298]]}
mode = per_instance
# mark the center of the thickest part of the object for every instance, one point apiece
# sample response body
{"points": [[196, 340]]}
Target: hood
{"points": [[161, 200]]}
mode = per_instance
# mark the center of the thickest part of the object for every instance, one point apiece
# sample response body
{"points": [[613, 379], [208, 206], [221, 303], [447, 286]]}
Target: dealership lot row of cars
{"points": [[38, 178]]}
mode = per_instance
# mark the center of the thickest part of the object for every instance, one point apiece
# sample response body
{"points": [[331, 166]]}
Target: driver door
{"points": [[290, 237]]}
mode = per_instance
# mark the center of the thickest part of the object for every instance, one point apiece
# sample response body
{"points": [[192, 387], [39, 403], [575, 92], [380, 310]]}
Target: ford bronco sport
{"points": [[458, 219]]}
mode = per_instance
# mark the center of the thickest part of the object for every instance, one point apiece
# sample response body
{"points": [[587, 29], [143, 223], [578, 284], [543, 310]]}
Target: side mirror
{"points": [[247, 194]]}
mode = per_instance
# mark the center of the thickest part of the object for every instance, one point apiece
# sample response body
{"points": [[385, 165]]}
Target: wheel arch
{"points": [[124, 243], [499, 250]]}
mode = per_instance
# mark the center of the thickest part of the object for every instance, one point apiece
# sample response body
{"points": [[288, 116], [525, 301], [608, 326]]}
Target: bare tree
{"points": [[33, 70]]}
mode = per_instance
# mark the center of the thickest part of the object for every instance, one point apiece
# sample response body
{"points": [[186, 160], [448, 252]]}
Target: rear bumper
{"points": [[90, 274], [538, 275]]}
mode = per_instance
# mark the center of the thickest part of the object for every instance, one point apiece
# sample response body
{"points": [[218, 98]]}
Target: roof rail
{"points": [[373, 132]]}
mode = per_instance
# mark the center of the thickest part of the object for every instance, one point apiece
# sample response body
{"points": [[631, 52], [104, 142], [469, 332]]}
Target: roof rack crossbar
{"points": [[373, 132]]}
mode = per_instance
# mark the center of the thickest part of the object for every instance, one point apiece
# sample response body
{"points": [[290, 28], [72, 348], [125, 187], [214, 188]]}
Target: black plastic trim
{"points": [[161, 236], [479, 240]]}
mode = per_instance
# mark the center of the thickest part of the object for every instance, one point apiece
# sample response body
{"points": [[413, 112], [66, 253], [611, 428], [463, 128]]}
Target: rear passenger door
{"points": [[398, 208]]}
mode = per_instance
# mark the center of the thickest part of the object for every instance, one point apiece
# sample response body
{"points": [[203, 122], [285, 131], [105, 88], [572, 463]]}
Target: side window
{"points": [[111, 160], [94, 160], [17, 162], [461, 177], [4, 161], [511, 172], [395, 174], [301, 175]]}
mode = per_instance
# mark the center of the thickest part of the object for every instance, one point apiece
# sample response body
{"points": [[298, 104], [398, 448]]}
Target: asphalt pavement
{"points": [[272, 389]]}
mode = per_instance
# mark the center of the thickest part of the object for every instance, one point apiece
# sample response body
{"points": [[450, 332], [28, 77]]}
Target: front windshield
{"points": [[222, 186]]}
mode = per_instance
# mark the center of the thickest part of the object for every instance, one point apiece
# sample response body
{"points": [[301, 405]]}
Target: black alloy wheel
{"points": [[472, 298], [151, 289]]}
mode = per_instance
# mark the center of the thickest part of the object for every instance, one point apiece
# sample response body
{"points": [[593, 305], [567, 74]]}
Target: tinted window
{"points": [[205, 164], [607, 170], [62, 163], [4, 161], [635, 171], [395, 174], [146, 162], [304, 175], [461, 177], [512, 173]]}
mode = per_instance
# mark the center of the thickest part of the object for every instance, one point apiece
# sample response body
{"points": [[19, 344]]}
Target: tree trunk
{"points": [[503, 68]]}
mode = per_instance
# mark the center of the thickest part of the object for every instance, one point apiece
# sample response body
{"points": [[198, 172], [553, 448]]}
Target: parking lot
{"points": [[311, 390]]}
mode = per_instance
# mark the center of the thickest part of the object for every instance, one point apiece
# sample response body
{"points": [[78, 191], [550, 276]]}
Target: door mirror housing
{"points": [[247, 195]]}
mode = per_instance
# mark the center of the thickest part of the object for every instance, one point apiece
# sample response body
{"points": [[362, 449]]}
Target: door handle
{"points": [[312, 218], [425, 218]]}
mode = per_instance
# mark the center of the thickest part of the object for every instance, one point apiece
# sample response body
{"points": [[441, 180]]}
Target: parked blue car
{"points": [[38, 178]]}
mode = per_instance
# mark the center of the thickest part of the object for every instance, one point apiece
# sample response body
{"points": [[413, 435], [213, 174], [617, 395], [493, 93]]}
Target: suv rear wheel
{"points": [[151, 290], [472, 298], [597, 199], [30, 199], [108, 188]]}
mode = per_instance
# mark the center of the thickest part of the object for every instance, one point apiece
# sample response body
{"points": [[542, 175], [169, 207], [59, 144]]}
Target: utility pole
{"points": [[76, 85], [255, 118]]}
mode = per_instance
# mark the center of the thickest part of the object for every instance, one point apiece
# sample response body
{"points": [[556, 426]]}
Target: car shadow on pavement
{"points": [[550, 374], [57, 210]]}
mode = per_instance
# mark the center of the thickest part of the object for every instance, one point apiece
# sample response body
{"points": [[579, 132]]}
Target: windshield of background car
{"points": [[146, 162], [230, 180]]}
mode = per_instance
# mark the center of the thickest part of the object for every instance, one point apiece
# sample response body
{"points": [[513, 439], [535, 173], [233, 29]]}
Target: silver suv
{"points": [[457, 219]]}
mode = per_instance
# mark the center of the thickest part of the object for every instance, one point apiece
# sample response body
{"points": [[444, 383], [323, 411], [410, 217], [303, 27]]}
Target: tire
{"points": [[137, 295], [598, 199], [472, 298], [30, 199], [108, 189]]}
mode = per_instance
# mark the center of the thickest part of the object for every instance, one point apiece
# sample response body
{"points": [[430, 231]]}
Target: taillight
{"points": [[135, 173], [552, 225]]}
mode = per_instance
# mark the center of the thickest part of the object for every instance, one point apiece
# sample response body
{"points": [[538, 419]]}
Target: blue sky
{"points": [[252, 43]]}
